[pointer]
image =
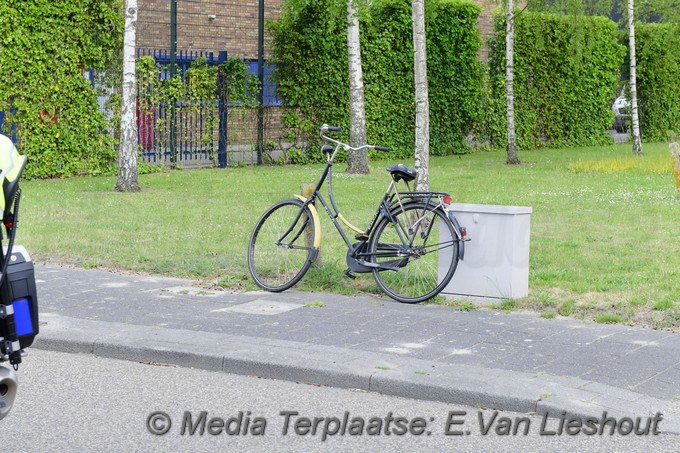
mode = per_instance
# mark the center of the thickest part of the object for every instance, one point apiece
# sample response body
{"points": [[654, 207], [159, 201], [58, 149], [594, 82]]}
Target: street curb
{"points": [[348, 368]]}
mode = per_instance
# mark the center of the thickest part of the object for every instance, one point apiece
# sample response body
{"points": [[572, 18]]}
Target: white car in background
{"points": [[621, 108]]}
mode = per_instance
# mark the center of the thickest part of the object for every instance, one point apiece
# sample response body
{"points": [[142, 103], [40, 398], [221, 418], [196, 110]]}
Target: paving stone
{"points": [[566, 369], [670, 376], [659, 389], [529, 363]]}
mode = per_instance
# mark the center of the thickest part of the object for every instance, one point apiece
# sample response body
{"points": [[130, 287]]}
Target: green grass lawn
{"points": [[605, 228]]}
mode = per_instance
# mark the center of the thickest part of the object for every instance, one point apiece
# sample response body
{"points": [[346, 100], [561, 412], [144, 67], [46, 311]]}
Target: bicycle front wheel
{"points": [[419, 249], [281, 247]]}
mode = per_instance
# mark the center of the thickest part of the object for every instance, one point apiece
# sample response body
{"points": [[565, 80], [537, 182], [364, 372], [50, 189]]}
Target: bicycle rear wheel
{"points": [[421, 264], [281, 247]]}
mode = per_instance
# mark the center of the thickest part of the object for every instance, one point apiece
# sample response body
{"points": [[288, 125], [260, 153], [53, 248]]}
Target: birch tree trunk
{"points": [[510, 82], [675, 153], [422, 151], [127, 150], [357, 161], [637, 142]]}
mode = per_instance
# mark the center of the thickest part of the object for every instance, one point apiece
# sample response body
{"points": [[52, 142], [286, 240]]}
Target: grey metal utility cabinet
{"points": [[496, 264]]}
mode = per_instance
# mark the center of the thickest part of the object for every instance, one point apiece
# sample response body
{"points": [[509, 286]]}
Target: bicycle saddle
{"points": [[401, 171]]}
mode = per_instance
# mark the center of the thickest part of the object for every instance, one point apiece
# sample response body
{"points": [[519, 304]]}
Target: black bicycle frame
{"points": [[384, 210]]}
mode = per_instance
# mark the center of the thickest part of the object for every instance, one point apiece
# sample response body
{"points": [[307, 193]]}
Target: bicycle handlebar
{"points": [[326, 128]]}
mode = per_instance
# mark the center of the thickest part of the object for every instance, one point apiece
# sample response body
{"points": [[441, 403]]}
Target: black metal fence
{"points": [[177, 32], [186, 132], [194, 133]]}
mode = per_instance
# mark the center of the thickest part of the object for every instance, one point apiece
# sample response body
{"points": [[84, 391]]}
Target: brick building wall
{"points": [[485, 21], [204, 25], [485, 25]]}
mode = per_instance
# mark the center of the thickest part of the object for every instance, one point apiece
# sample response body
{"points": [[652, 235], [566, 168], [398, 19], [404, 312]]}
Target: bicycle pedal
{"points": [[350, 274], [361, 237]]}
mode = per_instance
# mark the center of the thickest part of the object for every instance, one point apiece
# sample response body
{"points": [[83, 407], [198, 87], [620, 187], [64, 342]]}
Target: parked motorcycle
{"points": [[18, 296]]}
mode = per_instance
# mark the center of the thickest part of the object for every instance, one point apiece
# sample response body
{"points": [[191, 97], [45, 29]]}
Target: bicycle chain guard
{"points": [[353, 263]]}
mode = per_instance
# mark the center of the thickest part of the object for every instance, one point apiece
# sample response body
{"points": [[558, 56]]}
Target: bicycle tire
{"points": [[276, 263], [416, 276]]}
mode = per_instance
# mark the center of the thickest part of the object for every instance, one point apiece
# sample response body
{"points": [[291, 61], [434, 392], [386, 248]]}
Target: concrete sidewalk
{"points": [[514, 362]]}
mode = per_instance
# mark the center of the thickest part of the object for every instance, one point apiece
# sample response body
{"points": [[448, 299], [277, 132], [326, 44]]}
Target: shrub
{"points": [[565, 74], [48, 102], [310, 53], [658, 80]]}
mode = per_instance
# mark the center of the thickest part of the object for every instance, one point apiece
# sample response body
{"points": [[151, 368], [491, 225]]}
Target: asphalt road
{"points": [[72, 402]]}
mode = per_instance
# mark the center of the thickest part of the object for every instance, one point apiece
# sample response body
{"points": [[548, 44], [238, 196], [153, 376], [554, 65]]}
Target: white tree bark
{"points": [[510, 82], [675, 153], [422, 151], [637, 142], [357, 161], [127, 150]]}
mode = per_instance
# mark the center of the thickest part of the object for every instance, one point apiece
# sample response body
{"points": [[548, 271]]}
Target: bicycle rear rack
{"points": [[428, 197]]}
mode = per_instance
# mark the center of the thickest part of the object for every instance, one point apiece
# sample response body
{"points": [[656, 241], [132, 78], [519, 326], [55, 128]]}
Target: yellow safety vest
{"points": [[11, 166]]}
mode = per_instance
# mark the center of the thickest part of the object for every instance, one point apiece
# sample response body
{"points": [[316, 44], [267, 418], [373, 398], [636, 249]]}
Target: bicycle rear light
{"points": [[447, 199]]}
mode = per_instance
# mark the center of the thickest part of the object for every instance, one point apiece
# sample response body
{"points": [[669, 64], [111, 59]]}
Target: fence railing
{"points": [[183, 60], [191, 133], [188, 133]]}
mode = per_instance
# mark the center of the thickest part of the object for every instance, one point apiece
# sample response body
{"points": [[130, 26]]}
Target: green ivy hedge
{"points": [[387, 60], [310, 52], [658, 79], [566, 73], [454, 73], [44, 48]]}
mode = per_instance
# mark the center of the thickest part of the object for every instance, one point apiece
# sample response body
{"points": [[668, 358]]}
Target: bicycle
{"points": [[401, 246]]}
